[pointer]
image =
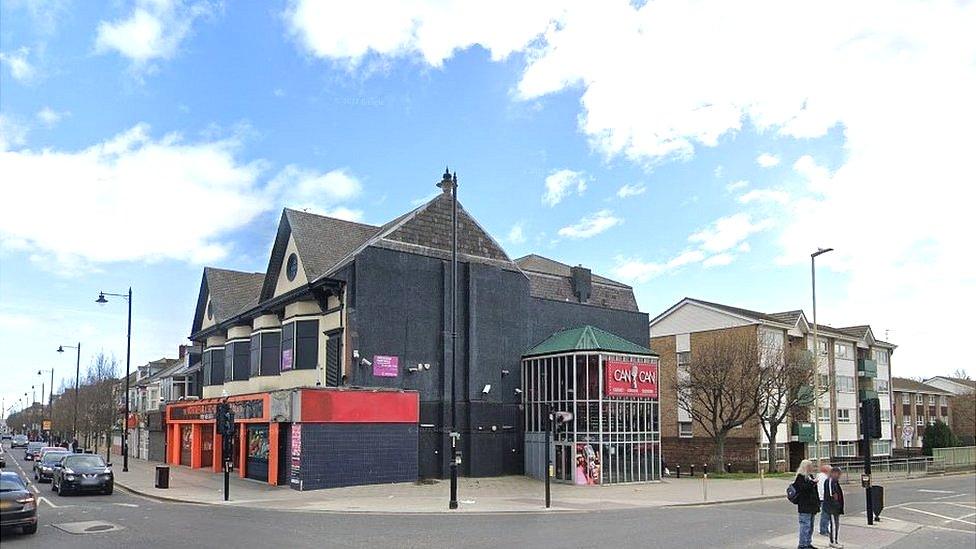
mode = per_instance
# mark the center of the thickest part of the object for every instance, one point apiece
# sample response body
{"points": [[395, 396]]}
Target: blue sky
{"points": [[141, 141]]}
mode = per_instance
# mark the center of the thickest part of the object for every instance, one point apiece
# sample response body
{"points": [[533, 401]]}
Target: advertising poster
{"points": [[386, 366], [296, 453], [587, 465], [631, 379], [286, 359]]}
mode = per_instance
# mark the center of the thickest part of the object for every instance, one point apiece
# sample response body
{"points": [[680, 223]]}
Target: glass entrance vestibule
{"points": [[614, 434]]}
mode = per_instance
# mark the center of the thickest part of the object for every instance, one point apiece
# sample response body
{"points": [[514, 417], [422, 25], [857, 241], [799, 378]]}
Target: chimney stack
{"points": [[582, 280]]}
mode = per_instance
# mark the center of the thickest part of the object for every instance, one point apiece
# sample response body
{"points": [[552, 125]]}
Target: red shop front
{"points": [[269, 444]]}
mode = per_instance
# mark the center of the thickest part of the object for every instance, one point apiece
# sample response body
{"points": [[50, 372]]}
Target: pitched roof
{"points": [[539, 264], [231, 291], [550, 279], [787, 317], [586, 338], [738, 310], [967, 382], [903, 384]]}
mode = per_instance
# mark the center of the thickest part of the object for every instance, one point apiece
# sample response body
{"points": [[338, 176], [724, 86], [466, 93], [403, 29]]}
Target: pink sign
{"points": [[386, 366], [631, 379], [285, 359]]}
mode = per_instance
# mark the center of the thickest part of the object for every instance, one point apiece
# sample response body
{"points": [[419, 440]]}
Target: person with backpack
{"points": [[834, 505], [803, 493]]}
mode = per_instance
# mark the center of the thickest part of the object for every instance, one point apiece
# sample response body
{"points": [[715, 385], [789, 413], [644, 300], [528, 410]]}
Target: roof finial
{"points": [[447, 184]]}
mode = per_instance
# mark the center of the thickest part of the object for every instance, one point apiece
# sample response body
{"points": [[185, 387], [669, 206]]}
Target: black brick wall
{"points": [[350, 454]]}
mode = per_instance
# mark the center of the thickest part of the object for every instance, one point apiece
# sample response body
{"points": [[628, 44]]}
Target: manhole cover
{"points": [[87, 527]]}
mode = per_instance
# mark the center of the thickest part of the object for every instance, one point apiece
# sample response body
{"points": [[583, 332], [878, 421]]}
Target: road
{"points": [[944, 506]]}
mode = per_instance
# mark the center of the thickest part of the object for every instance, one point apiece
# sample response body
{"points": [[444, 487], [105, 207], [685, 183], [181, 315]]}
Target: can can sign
{"points": [[630, 379]]}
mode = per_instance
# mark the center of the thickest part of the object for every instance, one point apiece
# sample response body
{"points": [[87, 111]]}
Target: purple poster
{"points": [[285, 359], [386, 366]]}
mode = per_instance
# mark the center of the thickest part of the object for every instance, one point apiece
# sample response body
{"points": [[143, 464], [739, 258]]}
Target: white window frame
{"points": [[943, 401], [906, 420], [843, 415], [882, 385], [690, 433], [906, 398], [918, 399], [845, 384], [881, 357], [920, 421], [842, 350], [931, 400], [886, 415], [764, 449], [846, 448], [820, 415]]}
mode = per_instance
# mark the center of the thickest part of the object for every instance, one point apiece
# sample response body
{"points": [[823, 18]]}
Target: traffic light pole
{"points": [[548, 453]]}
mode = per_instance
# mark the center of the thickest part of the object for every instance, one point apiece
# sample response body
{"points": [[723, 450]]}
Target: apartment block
{"points": [[917, 405], [851, 363]]}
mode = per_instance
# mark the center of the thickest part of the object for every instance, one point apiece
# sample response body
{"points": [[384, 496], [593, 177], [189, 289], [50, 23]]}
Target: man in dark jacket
{"points": [[807, 502]]}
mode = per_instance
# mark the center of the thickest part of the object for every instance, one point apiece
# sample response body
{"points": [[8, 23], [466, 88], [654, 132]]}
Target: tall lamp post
{"points": [[816, 352], [128, 355], [61, 348], [50, 403], [450, 184]]}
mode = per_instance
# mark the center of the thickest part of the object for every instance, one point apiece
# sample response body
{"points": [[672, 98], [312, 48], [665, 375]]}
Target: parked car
{"points": [[32, 449], [82, 473], [19, 441], [18, 506], [6, 436], [3, 458], [44, 466]]}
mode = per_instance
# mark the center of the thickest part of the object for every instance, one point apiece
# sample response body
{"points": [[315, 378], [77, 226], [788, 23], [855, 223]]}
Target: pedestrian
{"points": [[74, 445], [834, 505], [822, 475], [803, 494]]}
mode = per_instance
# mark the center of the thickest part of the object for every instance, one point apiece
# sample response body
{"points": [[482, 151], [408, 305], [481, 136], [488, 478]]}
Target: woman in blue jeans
{"points": [[807, 502]]}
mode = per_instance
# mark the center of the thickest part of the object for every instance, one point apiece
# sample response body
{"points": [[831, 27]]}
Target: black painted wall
{"points": [[399, 304], [351, 454]]}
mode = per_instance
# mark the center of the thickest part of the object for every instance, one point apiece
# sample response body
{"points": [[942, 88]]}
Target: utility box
{"points": [[877, 499], [162, 476]]}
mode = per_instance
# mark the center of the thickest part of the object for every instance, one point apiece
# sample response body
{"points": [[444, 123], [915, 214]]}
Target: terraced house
{"points": [[337, 359], [851, 362]]}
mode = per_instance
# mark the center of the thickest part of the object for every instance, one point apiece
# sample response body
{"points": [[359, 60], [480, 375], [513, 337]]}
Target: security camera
{"points": [[487, 389], [518, 391], [365, 362]]}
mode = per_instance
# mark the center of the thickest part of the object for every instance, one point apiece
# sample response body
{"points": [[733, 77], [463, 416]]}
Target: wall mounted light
{"points": [[487, 389]]}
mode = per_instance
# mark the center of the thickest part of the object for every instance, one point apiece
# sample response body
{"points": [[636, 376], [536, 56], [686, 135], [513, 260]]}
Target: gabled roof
{"points": [[230, 293], [586, 338], [539, 264], [905, 385], [322, 243], [788, 317], [957, 380], [550, 279], [746, 314]]}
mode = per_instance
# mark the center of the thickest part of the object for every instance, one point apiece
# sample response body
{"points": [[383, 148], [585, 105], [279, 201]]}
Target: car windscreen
{"points": [[10, 483], [51, 458], [84, 461]]}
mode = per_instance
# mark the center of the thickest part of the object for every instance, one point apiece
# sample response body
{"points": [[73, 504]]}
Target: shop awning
{"points": [[586, 338]]}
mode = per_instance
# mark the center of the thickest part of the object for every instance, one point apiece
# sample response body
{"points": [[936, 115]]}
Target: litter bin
{"points": [[162, 476], [877, 499]]}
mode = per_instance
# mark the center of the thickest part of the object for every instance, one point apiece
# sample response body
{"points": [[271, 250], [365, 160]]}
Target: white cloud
{"points": [[18, 65], [591, 225], [718, 260], [736, 185], [135, 197], [50, 117], [415, 29], [767, 160], [561, 183], [631, 190], [765, 195], [12, 133], [342, 212], [516, 235], [154, 29], [728, 232], [304, 189], [635, 270]]}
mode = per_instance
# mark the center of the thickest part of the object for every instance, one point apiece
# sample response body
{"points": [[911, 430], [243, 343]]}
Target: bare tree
{"points": [[720, 389], [960, 373], [786, 387]]}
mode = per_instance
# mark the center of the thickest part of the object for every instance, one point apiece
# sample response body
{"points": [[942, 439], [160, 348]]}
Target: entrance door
{"points": [[257, 452], [207, 443], [186, 444]]}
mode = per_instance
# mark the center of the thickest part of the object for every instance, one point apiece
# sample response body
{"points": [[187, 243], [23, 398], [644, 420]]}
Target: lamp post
{"points": [[50, 402], [61, 348], [816, 352], [450, 184], [128, 355]]}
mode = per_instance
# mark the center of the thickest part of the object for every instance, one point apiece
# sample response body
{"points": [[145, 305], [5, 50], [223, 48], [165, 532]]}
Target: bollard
{"points": [[762, 486], [728, 467], [678, 469], [692, 469], [705, 469], [705, 486]]}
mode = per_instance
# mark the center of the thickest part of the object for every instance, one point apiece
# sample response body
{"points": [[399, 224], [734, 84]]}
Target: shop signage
{"points": [[243, 409], [296, 453], [285, 359], [386, 366], [630, 379]]}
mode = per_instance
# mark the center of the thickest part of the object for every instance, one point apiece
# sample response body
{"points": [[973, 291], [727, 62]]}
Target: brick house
{"points": [[962, 405], [916, 406]]}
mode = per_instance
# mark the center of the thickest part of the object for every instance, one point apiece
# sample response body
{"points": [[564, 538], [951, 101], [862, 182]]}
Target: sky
{"points": [[693, 148]]}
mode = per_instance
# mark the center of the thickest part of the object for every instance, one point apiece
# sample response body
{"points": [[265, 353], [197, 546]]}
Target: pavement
{"points": [[511, 494], [125, 520]]}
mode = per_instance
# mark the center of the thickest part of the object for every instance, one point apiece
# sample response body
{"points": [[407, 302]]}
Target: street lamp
{"points": [[50, 402], [816, 352], [128, 354], [74, 428]]}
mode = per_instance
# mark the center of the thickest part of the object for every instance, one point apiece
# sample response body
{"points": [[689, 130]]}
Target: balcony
{"points": [[867, 368], [864, 394], [802, 432], [804, 395]]}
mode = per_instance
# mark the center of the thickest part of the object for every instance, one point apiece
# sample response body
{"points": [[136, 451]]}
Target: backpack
{"points": [[792, 494]]}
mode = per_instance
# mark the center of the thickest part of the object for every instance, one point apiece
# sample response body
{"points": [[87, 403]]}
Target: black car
{"points": [[18, 506], [82, 473], [44, 467], [3, 458], [32, 449]]}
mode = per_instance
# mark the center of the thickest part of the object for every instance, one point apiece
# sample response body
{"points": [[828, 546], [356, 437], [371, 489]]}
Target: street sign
{"points": [[46, 425], [907, 432]]}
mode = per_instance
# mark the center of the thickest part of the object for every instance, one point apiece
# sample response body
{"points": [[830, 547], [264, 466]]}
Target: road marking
{"points": [[947, 519], [47, 501], [952, 496], [936, 491], [126, 504]]}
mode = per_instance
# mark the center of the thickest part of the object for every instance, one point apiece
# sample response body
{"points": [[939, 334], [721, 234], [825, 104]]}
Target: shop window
{"points": [[685, 429]]}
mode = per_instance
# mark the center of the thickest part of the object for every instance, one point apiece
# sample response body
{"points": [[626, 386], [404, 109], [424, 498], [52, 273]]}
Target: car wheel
{"points": [[30, 529], [62, 491], [108, 491]]}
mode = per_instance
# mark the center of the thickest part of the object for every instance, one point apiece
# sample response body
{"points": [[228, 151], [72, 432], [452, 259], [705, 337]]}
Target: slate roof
{"points": [[740, 311], [323, 241], [586, 338], [550, 279], [905, 385], [788, 317], [231, 291]]}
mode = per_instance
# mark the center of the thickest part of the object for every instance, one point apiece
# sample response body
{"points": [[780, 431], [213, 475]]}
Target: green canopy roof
{"points": [[586, 338]]}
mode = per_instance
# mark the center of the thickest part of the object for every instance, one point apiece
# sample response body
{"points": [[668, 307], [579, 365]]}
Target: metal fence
{"points": [[889, 468], [962, 457]]}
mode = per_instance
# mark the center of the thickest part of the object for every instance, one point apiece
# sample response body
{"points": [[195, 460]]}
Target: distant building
{"points": [[917, 405], [962, 404]]}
